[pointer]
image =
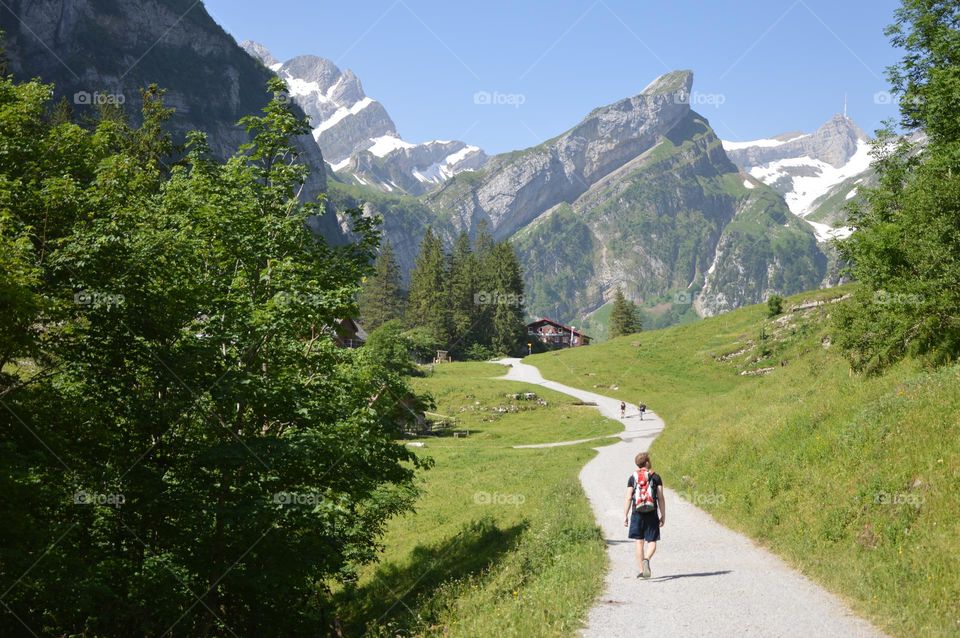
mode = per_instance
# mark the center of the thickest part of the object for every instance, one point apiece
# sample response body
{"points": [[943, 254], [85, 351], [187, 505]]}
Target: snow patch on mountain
{"points": [[341, 113], [352, 129], [386, 144], [811, 178], [446, 168], [764, 143]]}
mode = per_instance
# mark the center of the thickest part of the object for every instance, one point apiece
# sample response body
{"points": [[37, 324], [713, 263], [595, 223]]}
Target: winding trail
{"points": [[707, 580]]}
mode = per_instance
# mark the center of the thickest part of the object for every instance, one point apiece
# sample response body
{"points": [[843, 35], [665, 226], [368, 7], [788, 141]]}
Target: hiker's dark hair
{"points": [[642, 459]]}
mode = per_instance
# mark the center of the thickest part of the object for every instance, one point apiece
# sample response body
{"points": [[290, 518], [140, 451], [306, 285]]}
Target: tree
{"points": [[461, 289], [774, 305], [184, 443], [624, 316], [905, 252], [381, 296], [508, 329], [427, 302]]}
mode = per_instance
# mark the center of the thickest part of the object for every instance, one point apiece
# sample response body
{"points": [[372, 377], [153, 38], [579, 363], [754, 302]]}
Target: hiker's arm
{"points": [[663, 505], [626, 506]]}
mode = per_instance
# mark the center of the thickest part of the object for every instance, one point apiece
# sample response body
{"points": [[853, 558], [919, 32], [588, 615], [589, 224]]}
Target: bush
{"points": [[479, 352], [774, 306]]}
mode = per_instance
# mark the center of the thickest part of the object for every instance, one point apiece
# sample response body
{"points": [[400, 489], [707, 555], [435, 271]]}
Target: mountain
{"points": [[356, 133], [816, 172], [108, 51], [639, 194]]}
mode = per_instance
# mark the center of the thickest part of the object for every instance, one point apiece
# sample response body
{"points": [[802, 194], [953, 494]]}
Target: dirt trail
{"points": [[707, 580]]}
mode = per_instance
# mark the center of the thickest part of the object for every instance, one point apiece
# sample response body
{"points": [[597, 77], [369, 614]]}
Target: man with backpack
{"points": [[644, 498], [642, 408], [623, 409]]}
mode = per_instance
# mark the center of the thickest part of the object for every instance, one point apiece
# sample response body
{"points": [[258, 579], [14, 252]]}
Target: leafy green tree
{"points": [[381, 299], [185, 445], [624, 316], [905, 252]]}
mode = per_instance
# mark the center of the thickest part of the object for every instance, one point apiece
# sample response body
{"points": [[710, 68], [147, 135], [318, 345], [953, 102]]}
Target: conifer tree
{"points": [[381, 298], [426, 303], [624, 317]]}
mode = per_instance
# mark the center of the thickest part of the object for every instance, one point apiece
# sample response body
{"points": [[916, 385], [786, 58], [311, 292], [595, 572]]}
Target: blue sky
{"points": [[761, 68]]}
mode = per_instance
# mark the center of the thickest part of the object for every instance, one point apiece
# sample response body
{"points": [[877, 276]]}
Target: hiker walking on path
{"points": [[623, 409], [643, 408], [644, 498]]}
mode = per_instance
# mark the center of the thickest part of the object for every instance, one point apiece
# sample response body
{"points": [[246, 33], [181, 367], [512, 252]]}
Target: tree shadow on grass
{"points": [[399, 594]]}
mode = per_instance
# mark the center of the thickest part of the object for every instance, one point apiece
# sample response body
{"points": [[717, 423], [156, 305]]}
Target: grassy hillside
{"points": [[853, 480], [500, 534]]}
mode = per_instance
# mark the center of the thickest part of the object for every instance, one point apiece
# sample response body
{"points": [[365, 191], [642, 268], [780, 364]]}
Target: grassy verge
{"points": [[854, 480], [500, 535]]}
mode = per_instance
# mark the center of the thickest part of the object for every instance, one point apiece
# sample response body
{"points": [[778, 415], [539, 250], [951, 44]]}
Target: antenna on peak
{"points": [[844, 106]]}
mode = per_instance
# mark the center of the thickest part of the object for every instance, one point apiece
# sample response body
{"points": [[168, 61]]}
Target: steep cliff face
{"points": [[108, 50], [515, 188], [677, 225]]}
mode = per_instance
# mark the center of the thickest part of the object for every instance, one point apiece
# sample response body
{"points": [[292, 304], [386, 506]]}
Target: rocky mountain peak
{"points": [[674, 82], [260, 52]]}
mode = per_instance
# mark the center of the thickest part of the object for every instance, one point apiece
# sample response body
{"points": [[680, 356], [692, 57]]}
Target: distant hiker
{"points": [[623, 409], [644, 498], [643, 408]]}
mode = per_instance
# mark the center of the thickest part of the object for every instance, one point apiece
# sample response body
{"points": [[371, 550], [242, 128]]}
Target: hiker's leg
{"points": [[650, 550], [640, 553]]}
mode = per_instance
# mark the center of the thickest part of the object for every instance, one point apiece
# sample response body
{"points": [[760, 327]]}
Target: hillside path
{"points": [[707, 580]]}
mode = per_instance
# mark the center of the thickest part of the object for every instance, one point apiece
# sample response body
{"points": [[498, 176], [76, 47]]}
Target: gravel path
{"points": [[707, 580]]}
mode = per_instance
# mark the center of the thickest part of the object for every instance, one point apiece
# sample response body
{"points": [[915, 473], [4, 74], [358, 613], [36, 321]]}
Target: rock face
{"points": [[815, 172], [835, 143], [100, 50], [356, 133], [639, 195], [515, 188], [678, 225]]}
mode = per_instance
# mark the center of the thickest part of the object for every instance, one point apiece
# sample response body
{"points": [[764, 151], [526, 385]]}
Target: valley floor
{"points": [[707, 579]]}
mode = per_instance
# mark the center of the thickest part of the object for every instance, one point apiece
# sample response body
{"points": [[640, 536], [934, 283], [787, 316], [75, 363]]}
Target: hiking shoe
{"points": [[646, 569]]}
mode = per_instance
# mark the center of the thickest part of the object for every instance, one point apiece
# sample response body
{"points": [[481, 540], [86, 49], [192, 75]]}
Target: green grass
{"points": [[500, 535], [853, 480]]}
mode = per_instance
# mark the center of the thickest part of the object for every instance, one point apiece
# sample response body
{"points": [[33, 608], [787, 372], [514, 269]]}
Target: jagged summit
{"points": [[260, 52], [679, 82], [810, 168], [356, 133]]}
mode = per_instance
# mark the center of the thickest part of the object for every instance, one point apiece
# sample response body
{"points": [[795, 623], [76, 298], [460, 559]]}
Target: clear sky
{"points": [[760, 68]]}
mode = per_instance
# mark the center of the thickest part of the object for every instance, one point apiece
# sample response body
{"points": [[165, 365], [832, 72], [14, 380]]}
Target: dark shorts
{"points": [[645, 526]]}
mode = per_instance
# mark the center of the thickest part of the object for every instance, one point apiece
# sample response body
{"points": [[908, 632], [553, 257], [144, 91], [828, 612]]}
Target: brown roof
{"points": [[542, 320]]}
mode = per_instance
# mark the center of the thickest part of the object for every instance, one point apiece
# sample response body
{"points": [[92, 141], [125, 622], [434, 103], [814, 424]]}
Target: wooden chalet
{"points": [[554, 334], [349, 334]]}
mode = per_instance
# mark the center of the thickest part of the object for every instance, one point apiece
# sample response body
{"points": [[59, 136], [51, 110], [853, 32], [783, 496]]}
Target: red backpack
{"points": [[643, 491]]}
